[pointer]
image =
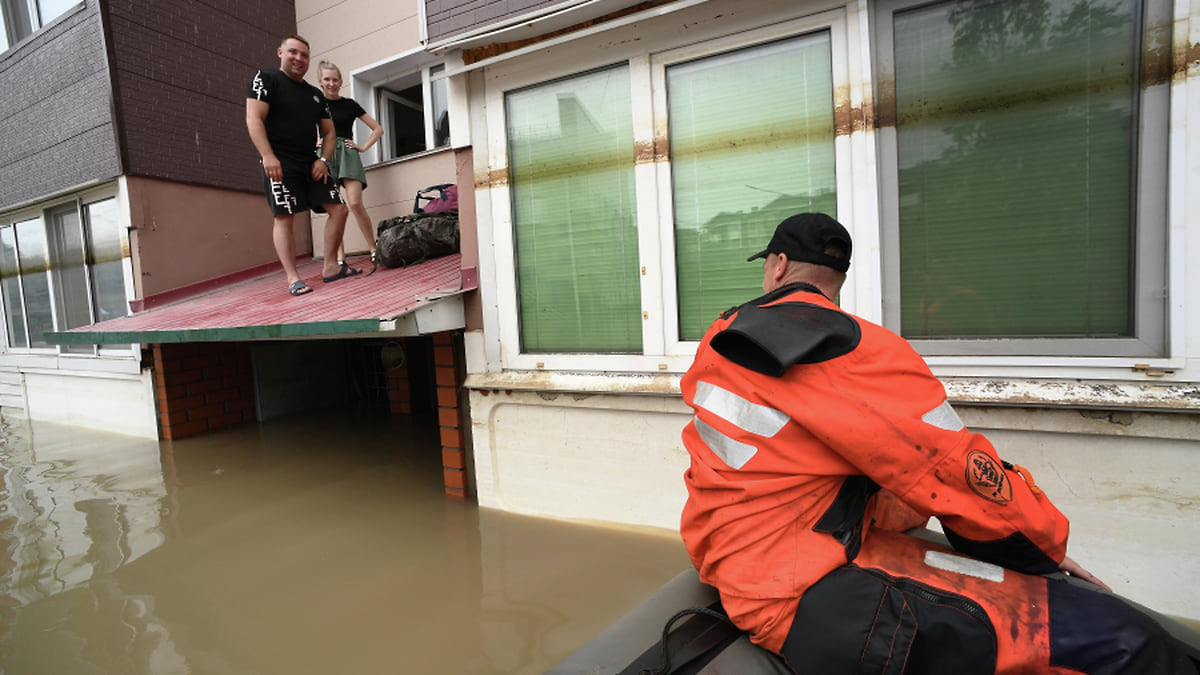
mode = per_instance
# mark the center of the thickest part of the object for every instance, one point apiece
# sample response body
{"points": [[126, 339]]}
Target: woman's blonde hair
{"points": [[329, 65]]}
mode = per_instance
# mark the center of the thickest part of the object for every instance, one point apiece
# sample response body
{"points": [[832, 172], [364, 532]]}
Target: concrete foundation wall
{"points": [[1132, 506], [1123, 481], [597, 458], [12, 391], [118, 403]]}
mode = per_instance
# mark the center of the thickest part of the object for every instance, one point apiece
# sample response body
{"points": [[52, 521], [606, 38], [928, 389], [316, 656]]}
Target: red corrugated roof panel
{"points": [[260, 307]]}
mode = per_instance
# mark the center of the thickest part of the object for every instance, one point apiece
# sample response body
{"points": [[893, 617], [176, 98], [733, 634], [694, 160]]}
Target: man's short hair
{"points": [[293, 36], [810, 237]]}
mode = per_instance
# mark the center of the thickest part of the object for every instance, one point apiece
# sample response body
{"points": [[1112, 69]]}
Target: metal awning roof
{"points": [[414, 300]]}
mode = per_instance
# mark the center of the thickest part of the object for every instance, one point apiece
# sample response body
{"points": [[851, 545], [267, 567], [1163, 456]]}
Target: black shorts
{"points": [[298, 192]]}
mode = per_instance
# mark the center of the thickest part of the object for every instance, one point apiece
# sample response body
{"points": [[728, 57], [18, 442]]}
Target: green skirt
{"points": [[346, 163]]}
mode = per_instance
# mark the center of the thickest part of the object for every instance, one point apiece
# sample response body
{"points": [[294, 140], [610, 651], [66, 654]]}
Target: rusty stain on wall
{"points": [[662, 141], [1189, 57], [581, 386], [492, 178], [885, 103], [843, 115], [644, 152], [1123, 418], [1101, 396]]}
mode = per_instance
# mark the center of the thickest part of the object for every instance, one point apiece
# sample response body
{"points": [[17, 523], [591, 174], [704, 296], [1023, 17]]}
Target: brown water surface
{"points": [[316, 544]]}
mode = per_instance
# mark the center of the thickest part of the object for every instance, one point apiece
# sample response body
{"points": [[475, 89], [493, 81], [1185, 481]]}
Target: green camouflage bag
{"points": [[417, 237]]}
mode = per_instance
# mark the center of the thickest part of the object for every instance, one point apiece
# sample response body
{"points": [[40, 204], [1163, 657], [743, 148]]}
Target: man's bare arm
{"points": [[256, 124], [328, 142]]}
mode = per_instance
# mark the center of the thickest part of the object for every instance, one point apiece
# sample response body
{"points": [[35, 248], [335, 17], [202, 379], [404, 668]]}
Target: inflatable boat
{"points": [[685, 615]]}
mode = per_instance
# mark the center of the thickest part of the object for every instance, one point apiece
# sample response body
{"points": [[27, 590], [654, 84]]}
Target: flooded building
{"points": [[125, 176], [140, 285], [1015, 176]]}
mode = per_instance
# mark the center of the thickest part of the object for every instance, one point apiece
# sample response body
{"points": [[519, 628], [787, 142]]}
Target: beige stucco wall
{"points": [[356, 33], [182, 234], [390, 191]]}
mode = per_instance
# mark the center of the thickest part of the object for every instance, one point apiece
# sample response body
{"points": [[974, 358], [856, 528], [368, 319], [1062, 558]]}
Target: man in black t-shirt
{"points": [[283, 113]]}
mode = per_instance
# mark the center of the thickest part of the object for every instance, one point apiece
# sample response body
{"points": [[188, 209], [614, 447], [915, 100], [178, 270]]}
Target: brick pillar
{"points": [[202, 386], [399, 394], [448, 366]]}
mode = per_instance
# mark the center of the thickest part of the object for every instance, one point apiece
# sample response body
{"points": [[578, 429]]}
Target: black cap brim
{"points": [[761, 254]]}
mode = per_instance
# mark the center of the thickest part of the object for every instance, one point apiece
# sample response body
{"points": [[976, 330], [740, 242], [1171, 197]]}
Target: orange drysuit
{"points": [[816, 436]]}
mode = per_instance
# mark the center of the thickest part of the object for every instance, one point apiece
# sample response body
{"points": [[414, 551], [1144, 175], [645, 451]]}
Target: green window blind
{"points": [[751, 143], [1016, 134], [571, 163]]}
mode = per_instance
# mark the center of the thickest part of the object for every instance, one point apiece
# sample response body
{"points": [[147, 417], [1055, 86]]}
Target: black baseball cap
{"points": [[804, 237]]}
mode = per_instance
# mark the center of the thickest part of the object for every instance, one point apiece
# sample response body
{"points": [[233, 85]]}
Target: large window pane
{"points": [[35, 284], [71, 295], [415, 117], [70, 269], [18, 24], [1016, 131], [105, 256], [3, 32], [404, 122], [571, 177], [440, 108], [751, 143], [10, 286], [51, 9]]}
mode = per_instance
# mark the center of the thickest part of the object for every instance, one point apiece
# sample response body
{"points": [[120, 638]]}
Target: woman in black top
{"points": [[346, 165]]}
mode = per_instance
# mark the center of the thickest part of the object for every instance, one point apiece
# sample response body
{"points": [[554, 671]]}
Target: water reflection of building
{"points": [[74, 508]]}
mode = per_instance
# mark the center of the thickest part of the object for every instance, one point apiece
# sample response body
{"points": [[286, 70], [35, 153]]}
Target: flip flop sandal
{"points": [[345, 271], [298, 287], [374, 262]]}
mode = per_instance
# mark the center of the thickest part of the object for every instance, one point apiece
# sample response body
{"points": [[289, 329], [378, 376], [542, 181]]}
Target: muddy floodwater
{"points": [[315, 544]]}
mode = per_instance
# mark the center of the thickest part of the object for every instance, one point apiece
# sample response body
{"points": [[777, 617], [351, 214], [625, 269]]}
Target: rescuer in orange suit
{"points": [[818, 439]]}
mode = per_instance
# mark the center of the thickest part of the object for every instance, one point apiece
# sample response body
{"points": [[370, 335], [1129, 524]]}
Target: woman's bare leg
{"points": [[354, 200]]}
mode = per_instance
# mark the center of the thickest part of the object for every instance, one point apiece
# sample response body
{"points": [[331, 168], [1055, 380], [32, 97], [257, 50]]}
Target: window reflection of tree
{"points": [[1016, 169]]}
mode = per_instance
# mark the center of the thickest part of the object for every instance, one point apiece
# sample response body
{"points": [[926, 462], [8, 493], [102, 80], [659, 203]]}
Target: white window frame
{"points": [[385, 120], [41, 213], [662, 350], [1153, 343], [54, 248], [36, 20], [834, 23], [372, 79]]}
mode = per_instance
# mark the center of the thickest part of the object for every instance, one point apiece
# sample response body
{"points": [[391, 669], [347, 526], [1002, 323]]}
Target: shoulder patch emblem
{"points": [[987, 478]]}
